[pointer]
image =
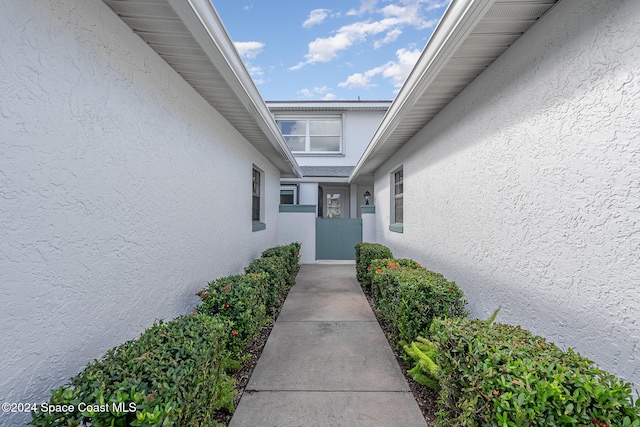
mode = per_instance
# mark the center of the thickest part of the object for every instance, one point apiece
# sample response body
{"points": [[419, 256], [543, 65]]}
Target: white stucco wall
{"points": [[525, 190], [299, 227], [122, 192]]}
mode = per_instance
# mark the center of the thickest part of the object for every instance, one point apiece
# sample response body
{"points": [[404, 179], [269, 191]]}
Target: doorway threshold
{"points": [[335, 261]]}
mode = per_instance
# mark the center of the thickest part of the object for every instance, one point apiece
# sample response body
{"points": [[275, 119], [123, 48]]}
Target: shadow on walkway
{"points": [[327, 362]]}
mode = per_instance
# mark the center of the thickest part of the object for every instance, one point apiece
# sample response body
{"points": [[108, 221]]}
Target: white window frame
{"points": [[258, 224], [293, 188], [308, 118], [396, 226]]}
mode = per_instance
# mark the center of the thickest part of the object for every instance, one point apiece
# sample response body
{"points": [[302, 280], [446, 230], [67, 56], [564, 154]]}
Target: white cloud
{"points": [[438, 4], [322, 90], [249, 50], [390, 37], [394, 17], [326, 49], [366, 6], [396, 71], [399, 71], [256, 74], [316, 16], [355, 81]]}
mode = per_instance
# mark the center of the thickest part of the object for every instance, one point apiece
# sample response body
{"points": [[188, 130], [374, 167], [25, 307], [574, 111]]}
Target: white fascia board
{"points": [[322, 105], [312, 179], [458, 21], [202, 13]]}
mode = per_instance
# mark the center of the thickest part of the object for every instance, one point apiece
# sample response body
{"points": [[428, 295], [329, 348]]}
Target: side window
{"points": [[288, 194], [255, 204], [397, 200], [397, 195], [257, 200]]}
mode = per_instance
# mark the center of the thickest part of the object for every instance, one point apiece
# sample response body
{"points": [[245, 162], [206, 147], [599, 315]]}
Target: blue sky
{"points": [[330, 49]]}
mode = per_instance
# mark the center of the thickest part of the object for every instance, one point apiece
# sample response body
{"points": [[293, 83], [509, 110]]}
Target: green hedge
{"points": [[289, 253], [487, 374], [172, 375], [365, 253], [386, 265], [239, 300], [175, 373], [278, 277], [409, 297], [502, 375]]}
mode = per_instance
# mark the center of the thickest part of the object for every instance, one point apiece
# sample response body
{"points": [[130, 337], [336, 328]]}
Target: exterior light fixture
{"points": [[367, 197]]}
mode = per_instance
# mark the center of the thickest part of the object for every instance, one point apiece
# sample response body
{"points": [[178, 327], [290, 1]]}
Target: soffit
{"points": [[189, 36], [462, 47]]}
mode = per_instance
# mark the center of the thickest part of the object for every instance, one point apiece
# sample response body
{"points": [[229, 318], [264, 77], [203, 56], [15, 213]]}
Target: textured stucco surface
{"points": [[525, 189], [299, 227], [121, 192]]}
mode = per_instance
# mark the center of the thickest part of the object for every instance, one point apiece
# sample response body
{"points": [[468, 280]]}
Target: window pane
{"points": [[325, 127], [256, 183], [293, 127], [333, 205], [325, 143], [296, 143], [399, 210], [399, 188], [286, 199], [255, 209], [255, 201], [398, 176]]}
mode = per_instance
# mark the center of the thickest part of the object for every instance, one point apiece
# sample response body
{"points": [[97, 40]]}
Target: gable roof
{"points": [[469, 37], [190, 37]]}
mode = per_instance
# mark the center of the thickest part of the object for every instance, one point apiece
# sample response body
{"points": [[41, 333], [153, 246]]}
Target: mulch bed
{"points": [[425, 397]]}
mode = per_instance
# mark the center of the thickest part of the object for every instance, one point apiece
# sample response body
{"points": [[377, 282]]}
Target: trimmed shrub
{"points": [[410, 298], [365, 253], [239, 300], [278, 277], [289, 253], [502, 375], [386, 263], [172, 375]]}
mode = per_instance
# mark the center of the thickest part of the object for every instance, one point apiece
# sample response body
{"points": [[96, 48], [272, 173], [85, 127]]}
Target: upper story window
{"points": [[316, 135]]}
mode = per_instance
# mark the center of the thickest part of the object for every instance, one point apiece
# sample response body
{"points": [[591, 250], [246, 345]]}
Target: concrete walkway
{"points": [[327, 362]]}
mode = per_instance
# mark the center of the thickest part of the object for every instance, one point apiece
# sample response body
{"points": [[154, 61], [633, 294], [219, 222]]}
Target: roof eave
{"points": [[188, 32], [457, 22], [203, 13], [448, 56]]}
